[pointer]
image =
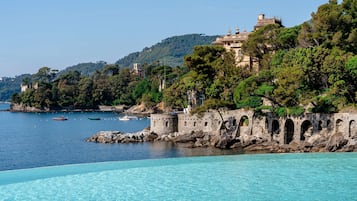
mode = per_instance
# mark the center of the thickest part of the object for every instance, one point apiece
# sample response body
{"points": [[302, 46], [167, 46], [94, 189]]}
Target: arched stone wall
{"points": [[320, 125], [352, 129], [275, 127], [329, 124], [243, 126], [244, 121], [265, 128], [306, 130], [339, 125], [289, 130]]}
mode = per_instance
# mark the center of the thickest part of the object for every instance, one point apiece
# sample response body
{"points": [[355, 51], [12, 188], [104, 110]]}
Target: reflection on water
{"points": [[159, 149]]}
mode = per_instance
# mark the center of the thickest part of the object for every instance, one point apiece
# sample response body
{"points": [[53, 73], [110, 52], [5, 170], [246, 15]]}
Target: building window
{"points": [[185, 123], [194, 123], [206, 123], [167, 124]]}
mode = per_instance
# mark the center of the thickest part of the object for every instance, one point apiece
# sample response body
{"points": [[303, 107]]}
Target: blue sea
{"points": [[30, 140], [42, 159]]}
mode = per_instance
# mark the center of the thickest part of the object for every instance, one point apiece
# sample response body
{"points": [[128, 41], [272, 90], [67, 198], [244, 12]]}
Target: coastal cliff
{"points": [[243, 129]]}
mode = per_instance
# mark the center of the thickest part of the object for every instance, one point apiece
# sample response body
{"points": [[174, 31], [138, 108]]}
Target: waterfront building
{"points": [[234, 42]]}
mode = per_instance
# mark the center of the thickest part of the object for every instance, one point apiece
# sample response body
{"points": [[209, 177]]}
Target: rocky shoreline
{"points": [[102, 108], [320, 143]]}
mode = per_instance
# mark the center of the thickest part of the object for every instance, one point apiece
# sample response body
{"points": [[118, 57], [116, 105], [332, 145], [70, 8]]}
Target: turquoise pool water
{"points": [[328, 176]]}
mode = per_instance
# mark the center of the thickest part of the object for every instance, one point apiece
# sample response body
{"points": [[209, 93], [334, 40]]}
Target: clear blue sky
{"points": [[61, 33]]}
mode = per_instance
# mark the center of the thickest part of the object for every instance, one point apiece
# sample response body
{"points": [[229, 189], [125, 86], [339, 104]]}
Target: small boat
{"points": [[94, 118], [61, 118], [127, 118]]}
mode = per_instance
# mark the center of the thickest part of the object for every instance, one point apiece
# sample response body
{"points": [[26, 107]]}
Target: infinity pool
{"points": [[239, 177]]}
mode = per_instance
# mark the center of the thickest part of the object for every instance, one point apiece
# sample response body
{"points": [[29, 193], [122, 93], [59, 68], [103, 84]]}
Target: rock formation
{"points": [[225, 139]]}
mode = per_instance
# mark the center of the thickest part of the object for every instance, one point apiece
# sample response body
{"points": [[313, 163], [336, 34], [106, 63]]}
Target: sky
{"points": [[62, 33]]}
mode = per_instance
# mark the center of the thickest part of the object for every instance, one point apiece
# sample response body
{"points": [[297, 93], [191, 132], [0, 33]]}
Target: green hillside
{"points": [[170, 51], [84, 68], [9, 86]]}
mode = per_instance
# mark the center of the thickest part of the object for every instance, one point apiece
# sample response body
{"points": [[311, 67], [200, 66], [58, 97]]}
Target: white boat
{"points": [[127, 118], [61, 118]]}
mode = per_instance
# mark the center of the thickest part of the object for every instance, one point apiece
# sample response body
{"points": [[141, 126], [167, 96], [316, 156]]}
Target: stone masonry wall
{"points": [[269, 128], [163, 123]]}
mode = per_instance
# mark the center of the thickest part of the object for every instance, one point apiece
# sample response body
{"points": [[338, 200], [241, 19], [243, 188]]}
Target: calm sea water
{"points": [[40, 159], [30, 140]]}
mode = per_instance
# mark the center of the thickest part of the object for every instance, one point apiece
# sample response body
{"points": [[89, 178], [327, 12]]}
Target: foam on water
{"points": [[240, 177]]}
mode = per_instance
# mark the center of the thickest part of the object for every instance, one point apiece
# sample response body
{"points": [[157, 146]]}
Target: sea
{"points": [[43, 159], [29, 140]]}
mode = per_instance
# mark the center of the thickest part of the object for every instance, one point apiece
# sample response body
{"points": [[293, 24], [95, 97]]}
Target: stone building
{"points": [[234, 42], [247, 127], [163, 123], [137, 70], [25, 87], [262, 21]]}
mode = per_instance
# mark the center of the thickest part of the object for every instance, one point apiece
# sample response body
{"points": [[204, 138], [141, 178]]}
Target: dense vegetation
{"points": [[110, 86], [309, 67], [169, 51], [85, 69], [312, 66], [9, 86]]}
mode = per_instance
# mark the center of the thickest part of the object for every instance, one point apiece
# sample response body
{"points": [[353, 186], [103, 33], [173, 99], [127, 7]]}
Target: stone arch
{"points": [[319, 128], [244, 121], [288, 131], [243, 125], [267, 123], [328, 124], [339, 123], [234, 122], [275, 127], [306, 129], [352, 129]]}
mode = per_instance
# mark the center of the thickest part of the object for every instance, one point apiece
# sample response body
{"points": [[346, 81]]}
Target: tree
{"points": [[141, 88], [248, 93], [262, 42], [45, 74], [102, 92], [288, 38], [113, 69], [84, 98], [332, 25], [67, 85], [288, 85]]}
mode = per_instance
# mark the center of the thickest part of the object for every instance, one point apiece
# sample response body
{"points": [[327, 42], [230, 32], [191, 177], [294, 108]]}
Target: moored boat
{"points": [[94, 118], [127, 118], [61, 118]]}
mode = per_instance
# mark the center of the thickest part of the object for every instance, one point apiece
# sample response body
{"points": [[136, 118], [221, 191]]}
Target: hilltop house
{"points": [[234, 42]]}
